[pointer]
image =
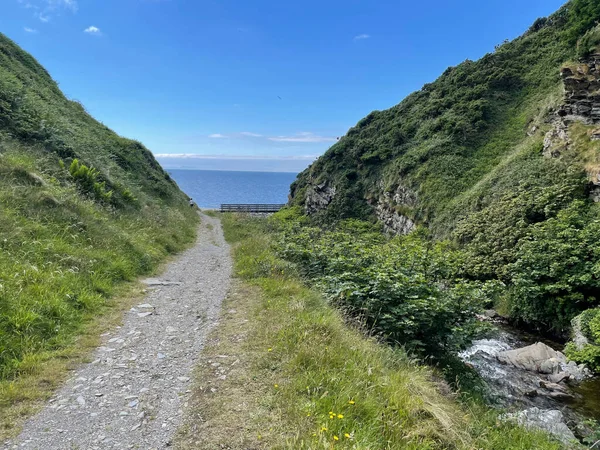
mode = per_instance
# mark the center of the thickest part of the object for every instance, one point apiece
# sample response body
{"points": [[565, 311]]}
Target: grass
{"points": [[284, 370]]}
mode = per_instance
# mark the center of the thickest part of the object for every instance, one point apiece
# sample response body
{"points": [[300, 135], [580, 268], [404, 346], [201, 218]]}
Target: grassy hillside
{"points": [[463, 157], [81, 211]]}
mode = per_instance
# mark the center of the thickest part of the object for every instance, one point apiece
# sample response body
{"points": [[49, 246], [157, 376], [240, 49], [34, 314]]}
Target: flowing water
{"points": [[514, 388]]}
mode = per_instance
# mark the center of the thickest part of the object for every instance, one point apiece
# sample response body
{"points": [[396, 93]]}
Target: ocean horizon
{"points": [[211, 188]]}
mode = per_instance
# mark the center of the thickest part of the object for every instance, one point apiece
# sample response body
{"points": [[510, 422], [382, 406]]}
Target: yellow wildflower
{"points": [[351, 402], [336, 438], [323, 428], [276, 386], [347, 435], [340, 416], [269, 349]]}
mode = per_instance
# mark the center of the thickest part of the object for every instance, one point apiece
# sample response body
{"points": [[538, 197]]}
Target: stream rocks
{"points": [[552, 421], [535, 378], [542, 359]]}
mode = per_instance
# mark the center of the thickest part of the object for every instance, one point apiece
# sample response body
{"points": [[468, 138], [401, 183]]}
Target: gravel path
{"points": [[133, 393]]}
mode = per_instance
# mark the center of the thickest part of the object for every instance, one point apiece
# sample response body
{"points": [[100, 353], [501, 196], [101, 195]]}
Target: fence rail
{"points": [[252, 207]]}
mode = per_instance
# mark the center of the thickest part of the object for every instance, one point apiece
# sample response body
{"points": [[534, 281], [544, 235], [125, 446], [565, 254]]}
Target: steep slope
{"points": [[81, 210], [495, 155]]}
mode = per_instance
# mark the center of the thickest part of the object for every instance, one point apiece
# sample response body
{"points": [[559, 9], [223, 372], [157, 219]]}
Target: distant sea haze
{"points": [[210, 188]]}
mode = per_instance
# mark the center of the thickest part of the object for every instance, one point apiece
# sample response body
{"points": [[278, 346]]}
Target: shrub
{"points": [[556, 274], [405, 289]]}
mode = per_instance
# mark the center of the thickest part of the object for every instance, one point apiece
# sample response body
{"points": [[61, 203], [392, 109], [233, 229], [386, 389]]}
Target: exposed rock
{"points": [[582, 96], [556, 140], [318, 197], [393, 221], [535, 358], [559, 377], [551, 421], [594, 192]]}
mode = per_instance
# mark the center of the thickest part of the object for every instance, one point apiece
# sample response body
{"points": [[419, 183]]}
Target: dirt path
{"points": [[133, 393]]}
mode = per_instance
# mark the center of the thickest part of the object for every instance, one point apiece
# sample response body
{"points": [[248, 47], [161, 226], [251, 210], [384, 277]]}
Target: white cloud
{"points": [[247, 133], [302, 137], [93, 30], [216, 136], [361, 36], [30, 30], [45, 9]]}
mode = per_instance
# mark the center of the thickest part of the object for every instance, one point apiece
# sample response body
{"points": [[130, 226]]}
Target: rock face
{"points": [[318, 197], [393, 221], [582, 89], [549, 420]]}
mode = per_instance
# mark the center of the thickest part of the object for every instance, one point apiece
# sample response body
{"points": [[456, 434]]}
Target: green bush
{"points": [[556, 274], [406, 289]]}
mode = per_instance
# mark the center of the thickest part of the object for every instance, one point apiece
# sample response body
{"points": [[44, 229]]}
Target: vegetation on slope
{"points": [[469, 148], [285, 371], [81, 211]]}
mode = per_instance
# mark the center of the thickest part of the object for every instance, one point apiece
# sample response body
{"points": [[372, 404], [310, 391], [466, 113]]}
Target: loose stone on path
{"points": [[132, 394]]}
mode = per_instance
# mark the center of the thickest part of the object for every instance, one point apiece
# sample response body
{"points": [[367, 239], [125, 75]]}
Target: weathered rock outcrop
{"points": [[318, 197], [581, 104], [582, 91], [387, 210]]}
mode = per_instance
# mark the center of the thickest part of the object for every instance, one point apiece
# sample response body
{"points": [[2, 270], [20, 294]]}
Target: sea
{"points": [[210, 188]]}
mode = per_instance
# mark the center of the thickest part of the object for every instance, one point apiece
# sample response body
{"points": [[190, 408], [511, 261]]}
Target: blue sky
{"points": [[253, 79]]}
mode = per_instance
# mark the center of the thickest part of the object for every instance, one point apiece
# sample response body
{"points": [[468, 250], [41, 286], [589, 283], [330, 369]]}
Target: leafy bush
{"points": [[556, 274], [406, 288]]}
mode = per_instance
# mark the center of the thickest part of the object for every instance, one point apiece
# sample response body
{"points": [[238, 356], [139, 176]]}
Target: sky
{"points": [[252, 85]]}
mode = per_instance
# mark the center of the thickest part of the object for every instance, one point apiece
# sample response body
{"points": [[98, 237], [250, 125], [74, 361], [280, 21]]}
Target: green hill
{"points": [[81, 210], [499, 156]]}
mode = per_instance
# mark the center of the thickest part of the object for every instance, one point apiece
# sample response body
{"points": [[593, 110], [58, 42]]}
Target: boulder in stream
{"points": [[543, 359]]}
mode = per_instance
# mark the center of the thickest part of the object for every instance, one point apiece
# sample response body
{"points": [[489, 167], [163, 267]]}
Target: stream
{"points": [[516, 389]]}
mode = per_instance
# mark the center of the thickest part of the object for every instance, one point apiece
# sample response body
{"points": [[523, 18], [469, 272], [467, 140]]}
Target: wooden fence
{"points": [[252, 207]]}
